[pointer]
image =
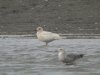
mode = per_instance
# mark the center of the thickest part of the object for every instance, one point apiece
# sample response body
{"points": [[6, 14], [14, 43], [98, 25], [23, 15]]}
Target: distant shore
{"points": [[68, 36]]}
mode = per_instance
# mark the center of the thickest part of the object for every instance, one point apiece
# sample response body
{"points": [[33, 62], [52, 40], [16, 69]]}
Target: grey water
{"points": [[29, 56]]}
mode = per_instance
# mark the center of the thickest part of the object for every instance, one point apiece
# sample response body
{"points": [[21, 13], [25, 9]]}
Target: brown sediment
{"points": [[61, 16]]}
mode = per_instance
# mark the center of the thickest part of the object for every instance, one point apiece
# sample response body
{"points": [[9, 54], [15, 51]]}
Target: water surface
{"points": [[29, 56]]}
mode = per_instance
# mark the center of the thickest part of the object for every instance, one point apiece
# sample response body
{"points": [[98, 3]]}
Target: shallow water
{"points": [[28, 56]]}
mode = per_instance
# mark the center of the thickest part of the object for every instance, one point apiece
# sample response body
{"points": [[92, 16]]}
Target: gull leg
{"points": [[46, 43]]}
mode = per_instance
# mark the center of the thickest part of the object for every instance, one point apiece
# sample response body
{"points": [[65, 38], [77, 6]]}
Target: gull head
{"points": [[39, 29], [61, 54], [61, 50]]}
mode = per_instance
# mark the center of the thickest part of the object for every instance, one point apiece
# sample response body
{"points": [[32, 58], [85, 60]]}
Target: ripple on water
{"points": [[27, 56]]}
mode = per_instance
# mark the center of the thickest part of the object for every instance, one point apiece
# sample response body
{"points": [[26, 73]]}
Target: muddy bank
{"points": [[67, 36], [68, 16]]}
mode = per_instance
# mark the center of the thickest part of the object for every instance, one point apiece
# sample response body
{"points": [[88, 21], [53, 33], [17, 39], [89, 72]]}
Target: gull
{"points": [[68, 58], [46, 36]]}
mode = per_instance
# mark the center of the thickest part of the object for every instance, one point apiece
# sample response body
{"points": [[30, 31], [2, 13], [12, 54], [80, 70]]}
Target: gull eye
{"points": [[39, 28]]}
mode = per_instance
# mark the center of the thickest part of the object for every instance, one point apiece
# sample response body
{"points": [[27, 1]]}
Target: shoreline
{"points": [[68, 36]]}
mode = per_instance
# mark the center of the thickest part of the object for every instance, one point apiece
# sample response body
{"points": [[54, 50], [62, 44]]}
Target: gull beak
{"points": [[35, 30]]}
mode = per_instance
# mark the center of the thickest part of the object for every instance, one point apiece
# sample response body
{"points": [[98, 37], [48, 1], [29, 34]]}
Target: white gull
{"points": [[46, 36]]}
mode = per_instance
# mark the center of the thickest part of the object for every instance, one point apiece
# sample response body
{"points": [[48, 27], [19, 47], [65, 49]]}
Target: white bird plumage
{"points": [[46, 36]]}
